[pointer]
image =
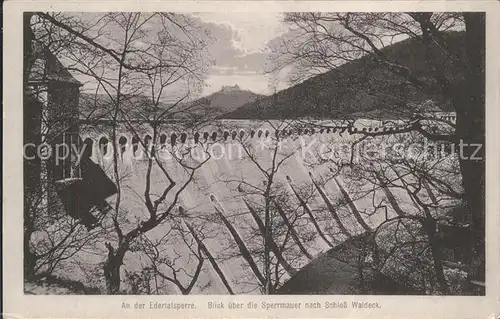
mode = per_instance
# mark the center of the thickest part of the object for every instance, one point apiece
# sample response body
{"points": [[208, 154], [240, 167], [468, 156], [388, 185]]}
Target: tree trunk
{"points": [[28, 37], [112, 268], [469, 103], [437, 258], [29, 258]]}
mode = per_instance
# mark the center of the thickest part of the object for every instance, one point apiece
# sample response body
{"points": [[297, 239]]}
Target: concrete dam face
{"points": [[224, 177]]}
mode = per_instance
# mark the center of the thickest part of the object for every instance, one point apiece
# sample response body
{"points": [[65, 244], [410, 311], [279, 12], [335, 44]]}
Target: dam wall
{"points": [[232, 162]]}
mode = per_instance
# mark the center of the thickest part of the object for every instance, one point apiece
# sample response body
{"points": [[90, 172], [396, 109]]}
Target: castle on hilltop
{"points": [[230, 88]]}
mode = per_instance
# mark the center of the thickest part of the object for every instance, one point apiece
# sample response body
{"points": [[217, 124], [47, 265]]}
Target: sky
{"points": [[238, 45], [240, 49]]}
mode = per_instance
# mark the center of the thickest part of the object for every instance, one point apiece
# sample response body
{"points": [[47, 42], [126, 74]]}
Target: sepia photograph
{"points": [[262, 153]]}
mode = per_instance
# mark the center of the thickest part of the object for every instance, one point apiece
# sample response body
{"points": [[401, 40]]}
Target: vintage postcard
{"points": [[260, 159]]}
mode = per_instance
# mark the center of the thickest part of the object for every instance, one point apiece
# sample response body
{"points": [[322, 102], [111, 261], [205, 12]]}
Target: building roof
{"points": [[48, 68]]}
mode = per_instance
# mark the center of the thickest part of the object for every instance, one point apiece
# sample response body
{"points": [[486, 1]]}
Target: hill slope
{"points": [[99, 106], [361, 87], [226, 100]]}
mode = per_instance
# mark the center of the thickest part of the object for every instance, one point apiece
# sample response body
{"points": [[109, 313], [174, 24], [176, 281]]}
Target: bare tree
{"points": [[274, 230], [125, 63], [324, 41], [403, 180], [51, 240]]}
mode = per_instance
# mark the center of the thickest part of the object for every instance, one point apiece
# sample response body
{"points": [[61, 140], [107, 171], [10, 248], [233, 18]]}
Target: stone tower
{"points": [[52, 167]]}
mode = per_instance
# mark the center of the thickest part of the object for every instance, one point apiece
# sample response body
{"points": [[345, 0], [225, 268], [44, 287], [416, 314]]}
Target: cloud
{"points": [[251, 30], [239, 48], [223, 50], [225, 70], [237, 43]]}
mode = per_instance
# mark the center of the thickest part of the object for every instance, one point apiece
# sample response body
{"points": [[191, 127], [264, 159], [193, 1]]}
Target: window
{"points": [[183, 138], [173, 139], [135, 145], [163, 140], [122, 141], [103, 146]]}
